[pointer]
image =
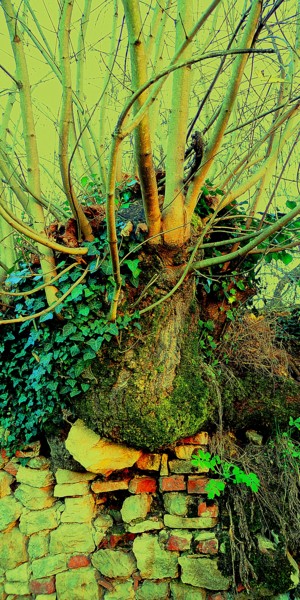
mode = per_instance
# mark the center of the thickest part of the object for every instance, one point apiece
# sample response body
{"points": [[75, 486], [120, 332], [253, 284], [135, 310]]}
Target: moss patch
{"points": [[261, 402], [156, 390]]}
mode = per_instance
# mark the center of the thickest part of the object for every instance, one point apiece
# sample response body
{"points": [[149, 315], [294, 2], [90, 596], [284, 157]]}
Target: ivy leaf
{"points": [[95, 343], [209, 325], [46, 317], [68, 329], [79, 368], [112, 329], [74, 350], [77, 292], [89, 355], [74, 392], [285, 257], [83, 310], [133, 266], [85, 386]]}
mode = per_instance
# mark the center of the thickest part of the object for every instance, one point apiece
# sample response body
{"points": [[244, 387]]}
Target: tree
{"points": [[209, 201]]}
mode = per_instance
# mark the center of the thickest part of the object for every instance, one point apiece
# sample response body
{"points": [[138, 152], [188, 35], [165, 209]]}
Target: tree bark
{"points": [[151, 391]]}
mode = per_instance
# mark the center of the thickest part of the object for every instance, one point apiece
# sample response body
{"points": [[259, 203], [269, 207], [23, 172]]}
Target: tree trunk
{"points": [[153, 389], [155, 386]]}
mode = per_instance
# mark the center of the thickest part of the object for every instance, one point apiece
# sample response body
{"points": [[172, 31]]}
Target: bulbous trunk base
{"points": [[154, 388]]}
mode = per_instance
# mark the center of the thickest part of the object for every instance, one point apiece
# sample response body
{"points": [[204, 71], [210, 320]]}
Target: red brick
{"points": [[174, 483], [100, 500], [143, 485], [29, 451], [205, 510], [11, 467], [201, 438], [178, 544], [75, 562], [208, 546], [149, 462], [121, 538], [106, 584], [196, 485], [42, 586], [103, 544], [3, 455], [136, 579], [101, 487]]}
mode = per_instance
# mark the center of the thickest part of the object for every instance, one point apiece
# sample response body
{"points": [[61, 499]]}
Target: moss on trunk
{"points": [[155, 389], [155, 386]]}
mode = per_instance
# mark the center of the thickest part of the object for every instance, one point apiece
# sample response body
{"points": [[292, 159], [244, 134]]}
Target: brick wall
{"points": [[145, 532]]}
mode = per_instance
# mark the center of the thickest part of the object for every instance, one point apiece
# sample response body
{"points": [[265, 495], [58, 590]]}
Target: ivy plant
{"points": [[45, 363]]}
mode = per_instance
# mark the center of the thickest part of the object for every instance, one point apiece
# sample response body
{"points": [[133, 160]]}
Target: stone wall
{"points": [[144, 531]]}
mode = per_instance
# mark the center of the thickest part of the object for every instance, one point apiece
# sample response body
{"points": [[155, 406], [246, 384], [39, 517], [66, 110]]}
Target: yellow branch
{"points": [[44, 241]]}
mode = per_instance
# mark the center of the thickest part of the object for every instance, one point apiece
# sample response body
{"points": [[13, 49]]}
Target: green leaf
{"points": [[89, 355], [285, 257], [112, 329], [85, 386], [46, 317], [79, 368], [74, 392], [214, 488], [68, 329], [88, 292], [77, 292], [83, 310], [127, 195], [253, 482], [133, 266], [291, 204], [95, 343], [77, 337], [74, 350]]}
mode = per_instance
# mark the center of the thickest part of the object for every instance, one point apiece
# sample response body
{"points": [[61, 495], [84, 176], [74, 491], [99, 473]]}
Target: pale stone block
{"points": [[38, 520], [78, 584], [65, 476], [16, 588], [49, 565], [5, 480], [12, 549], [20, 573], [34, 477], [78, 510], [35, 498], [71, 489], [75, 537], [10, 511], [98, 455]]}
